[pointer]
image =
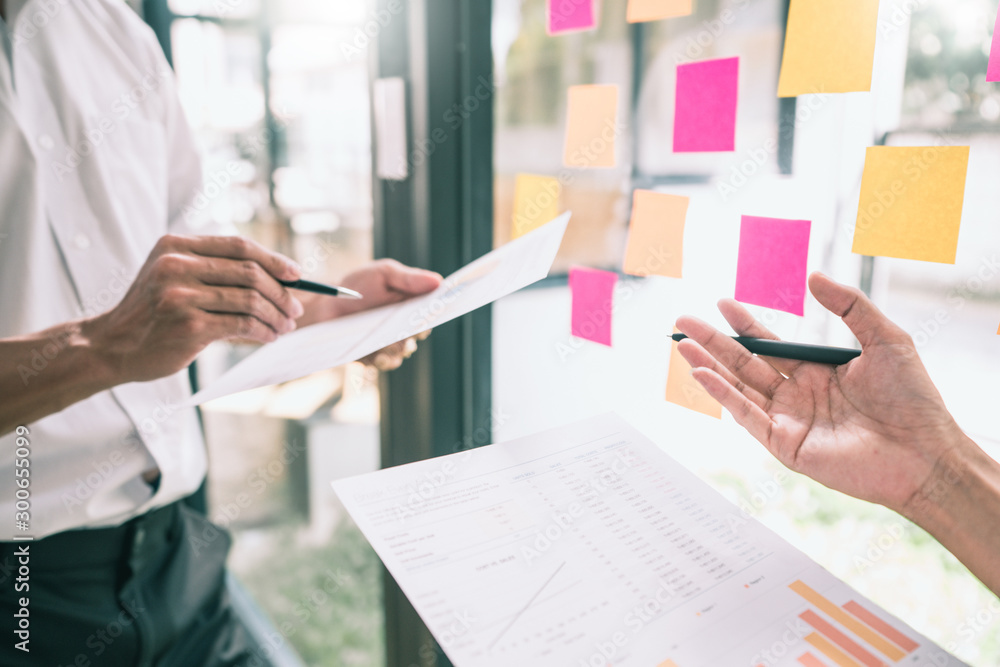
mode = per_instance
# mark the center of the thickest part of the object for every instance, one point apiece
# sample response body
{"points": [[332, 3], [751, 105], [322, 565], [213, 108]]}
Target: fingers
{"points": [[391, 357], [226, 326], [239, 248], [850, 304], [746, 413], [244, 301], [744, 324], [698, 357], [409, 280], [248, 274], [752, 370]]}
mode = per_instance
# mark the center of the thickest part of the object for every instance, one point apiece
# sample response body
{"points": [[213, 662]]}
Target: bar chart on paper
{"points": [[587, 546]]}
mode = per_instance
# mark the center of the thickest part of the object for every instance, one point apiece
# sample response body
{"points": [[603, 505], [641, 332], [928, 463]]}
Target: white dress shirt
{"points": [[96, 163]]}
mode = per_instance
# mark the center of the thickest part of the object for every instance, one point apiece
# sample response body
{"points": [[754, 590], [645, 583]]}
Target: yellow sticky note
{"points": [[684, 390], [591, 126], [654, 10], [656, 234], [911, 202], [829, 47], [536, 201]]}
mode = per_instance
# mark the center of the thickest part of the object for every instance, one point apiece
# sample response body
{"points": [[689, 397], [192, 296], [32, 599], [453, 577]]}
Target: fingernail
{"points": [[297, 309], [294, 271], [290, 326]]}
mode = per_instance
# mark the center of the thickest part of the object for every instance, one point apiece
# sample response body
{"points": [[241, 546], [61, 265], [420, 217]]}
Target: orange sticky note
{"points": [[591, 126], [653, 10], [829, 47], [656, 234], [684, 390], [536, 201], [911, 202]]}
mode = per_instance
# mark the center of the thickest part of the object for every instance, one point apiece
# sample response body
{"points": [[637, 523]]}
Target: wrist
{"points": [[99, 358], [959, 476]]}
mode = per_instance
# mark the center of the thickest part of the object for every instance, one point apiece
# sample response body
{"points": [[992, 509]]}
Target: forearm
{"points": [[960, 506], [45, 372]]}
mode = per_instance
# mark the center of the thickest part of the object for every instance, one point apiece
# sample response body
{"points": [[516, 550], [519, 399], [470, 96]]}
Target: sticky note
{"points": [[570, 15], [591, 126], [656, 234], [771, 267], [993, 68], [911, 202], [653, 10], [592, 292], [684, 390], [829, 47], [536, 201], [705, 106]]}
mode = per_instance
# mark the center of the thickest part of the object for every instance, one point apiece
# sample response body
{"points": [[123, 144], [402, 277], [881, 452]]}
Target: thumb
{"points": [[410, 280], [861, 316]]}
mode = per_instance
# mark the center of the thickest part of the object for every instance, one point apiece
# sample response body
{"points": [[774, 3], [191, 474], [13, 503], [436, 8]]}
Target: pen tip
{"points": [[349, 293]]}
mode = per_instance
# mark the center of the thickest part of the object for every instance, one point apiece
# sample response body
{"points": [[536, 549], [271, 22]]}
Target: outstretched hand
{"points": [[874, 428]]}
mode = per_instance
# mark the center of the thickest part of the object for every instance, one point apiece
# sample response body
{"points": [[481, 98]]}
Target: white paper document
{"points": [[587, 546], [496, 274]]}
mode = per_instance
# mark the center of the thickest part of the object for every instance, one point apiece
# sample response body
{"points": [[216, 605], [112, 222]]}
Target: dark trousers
{"points": [[149, 593]]}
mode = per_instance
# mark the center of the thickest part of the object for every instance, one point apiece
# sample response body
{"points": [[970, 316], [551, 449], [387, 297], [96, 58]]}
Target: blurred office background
{"points": [[280, 93]]}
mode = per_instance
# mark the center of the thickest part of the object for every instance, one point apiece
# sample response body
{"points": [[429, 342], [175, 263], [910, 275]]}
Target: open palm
{"points": [[873, 428]]}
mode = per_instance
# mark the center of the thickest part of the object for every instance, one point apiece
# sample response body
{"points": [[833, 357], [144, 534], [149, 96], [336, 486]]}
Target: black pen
{"points": [[320, 288], [820, 354]]}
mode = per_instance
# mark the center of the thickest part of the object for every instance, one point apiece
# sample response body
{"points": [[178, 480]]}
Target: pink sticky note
{"points": [[771, 269], [705, 111], [569, 15], [993, 69], [593, 292]]}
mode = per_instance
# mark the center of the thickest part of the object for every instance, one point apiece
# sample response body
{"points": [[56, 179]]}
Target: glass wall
{"points": [[928, 88]]}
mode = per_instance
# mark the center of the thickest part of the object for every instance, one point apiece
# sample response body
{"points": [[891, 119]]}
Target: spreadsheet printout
{"points": [[587, 545]]}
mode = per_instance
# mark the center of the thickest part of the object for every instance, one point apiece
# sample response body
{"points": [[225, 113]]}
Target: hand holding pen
{"points": [[873, 428]]}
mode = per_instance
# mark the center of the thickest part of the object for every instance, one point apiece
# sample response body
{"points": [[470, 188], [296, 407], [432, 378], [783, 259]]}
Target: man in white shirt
{"points": [[109, 293]]}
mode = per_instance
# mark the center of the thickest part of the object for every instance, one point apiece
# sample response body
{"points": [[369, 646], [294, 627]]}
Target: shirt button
{"points": [[81, 241], [45, 141], [140, 537]]}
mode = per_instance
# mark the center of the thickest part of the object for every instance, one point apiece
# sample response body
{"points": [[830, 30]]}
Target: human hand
{"points": [[382, 282], [874, 428], [190, 292]]}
